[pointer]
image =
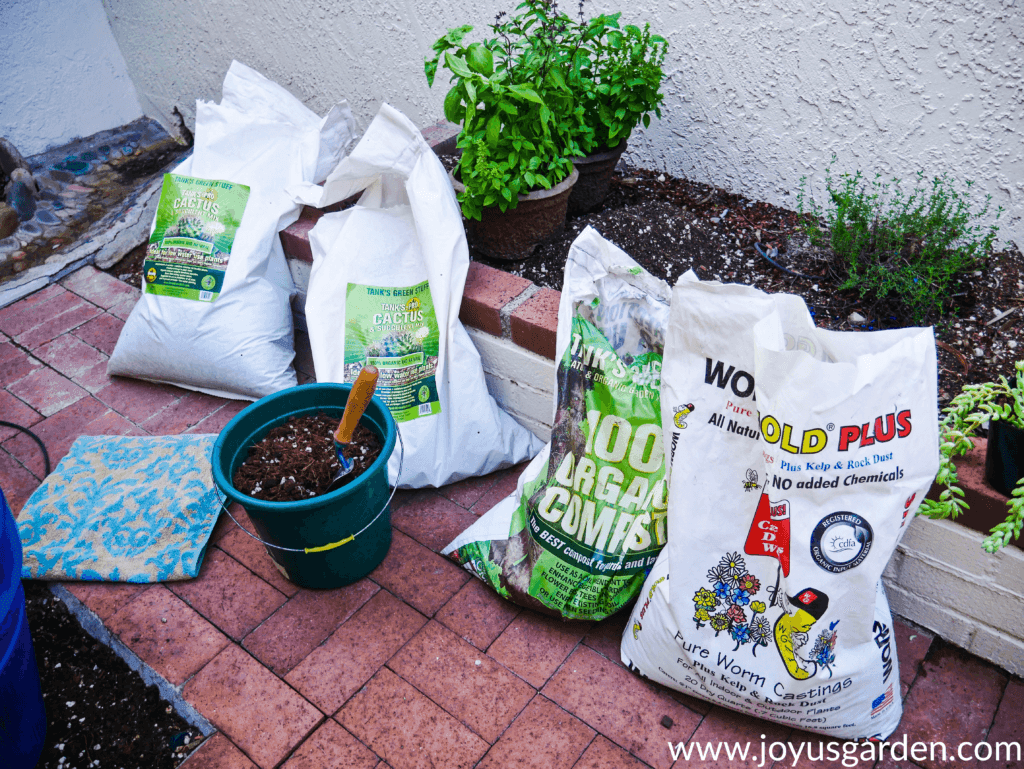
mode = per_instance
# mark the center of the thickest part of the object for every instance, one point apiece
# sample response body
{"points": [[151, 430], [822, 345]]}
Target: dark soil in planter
{"points": [[97, 708], [297, 461], [670, 224]]}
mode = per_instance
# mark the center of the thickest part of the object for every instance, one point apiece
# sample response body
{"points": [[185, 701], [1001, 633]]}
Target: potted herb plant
{"points": [[616, 76], [519, 124], [1001, 404]]}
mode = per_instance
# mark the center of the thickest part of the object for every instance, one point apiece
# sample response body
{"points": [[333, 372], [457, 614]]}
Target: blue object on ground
{"points": [[123, 508], [22, 717]]}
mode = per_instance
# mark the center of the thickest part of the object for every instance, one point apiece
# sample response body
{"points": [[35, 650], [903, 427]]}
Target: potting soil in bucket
{"points": [[318, 532], [22, 718]]}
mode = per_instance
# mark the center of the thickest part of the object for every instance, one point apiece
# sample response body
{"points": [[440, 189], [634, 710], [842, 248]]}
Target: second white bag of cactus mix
{"points": [[386, 287], [588, 517], [796, 458]]}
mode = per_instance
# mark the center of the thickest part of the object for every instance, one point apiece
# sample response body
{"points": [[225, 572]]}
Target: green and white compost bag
{"points": [[797, 457], [214, 313], [386, 287], [587, 519]]}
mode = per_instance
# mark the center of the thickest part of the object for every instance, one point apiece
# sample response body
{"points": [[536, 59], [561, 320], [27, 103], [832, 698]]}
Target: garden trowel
{"points": [[358, 398]]}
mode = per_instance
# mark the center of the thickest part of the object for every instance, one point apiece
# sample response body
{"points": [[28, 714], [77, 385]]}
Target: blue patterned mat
{"points": [[123, 509]]}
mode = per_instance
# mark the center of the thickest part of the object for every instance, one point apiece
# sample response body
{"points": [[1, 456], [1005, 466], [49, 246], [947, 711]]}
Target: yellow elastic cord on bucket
{"points": [[330, 546]]}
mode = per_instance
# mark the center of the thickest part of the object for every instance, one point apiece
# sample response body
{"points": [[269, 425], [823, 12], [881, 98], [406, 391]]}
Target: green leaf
{"points": [[430, 69], [457, 65], [480, 59], [647, 121], [455, 35], [545, 115], [493, 130], [508, 107], [526, 93], [507, 194], [453, 106]]}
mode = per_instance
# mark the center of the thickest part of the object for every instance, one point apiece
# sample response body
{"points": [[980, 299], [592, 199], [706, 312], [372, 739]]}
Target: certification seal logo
{"points": [[841, 541]]}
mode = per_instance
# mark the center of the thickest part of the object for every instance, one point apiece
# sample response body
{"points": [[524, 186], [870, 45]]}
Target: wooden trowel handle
{"points": [[358, 397]]}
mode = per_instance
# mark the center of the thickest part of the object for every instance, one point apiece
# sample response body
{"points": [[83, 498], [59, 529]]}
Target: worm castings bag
{"points": [[797, 456]]}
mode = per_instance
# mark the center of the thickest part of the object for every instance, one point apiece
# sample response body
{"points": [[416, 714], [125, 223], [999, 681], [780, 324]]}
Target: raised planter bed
{"points": [[939, 578]]}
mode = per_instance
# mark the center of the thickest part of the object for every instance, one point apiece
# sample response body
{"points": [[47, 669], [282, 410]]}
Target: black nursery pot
{"points": [[596, 172], [1004, 458]]}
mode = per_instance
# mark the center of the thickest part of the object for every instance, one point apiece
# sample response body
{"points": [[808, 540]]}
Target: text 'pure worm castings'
{"points": [[797, 458], [586, 524]]}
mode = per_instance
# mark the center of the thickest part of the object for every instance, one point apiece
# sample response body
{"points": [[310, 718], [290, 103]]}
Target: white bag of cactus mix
{"points": [[587, 520], [386, 287], [214, 313], [797, 457]]}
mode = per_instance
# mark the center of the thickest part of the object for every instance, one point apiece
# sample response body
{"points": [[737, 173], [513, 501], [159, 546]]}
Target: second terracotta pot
{"points": [[514, 234]]}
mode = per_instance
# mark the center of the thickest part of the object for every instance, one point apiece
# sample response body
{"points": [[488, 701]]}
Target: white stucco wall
{"points": [[758, 94], [62, 75]]}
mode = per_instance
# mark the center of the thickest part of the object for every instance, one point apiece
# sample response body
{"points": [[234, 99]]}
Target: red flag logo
{"points": [[769, 533]]}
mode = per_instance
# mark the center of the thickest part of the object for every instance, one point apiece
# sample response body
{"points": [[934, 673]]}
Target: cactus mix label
{"points": [[395, 329], [196, 222]]}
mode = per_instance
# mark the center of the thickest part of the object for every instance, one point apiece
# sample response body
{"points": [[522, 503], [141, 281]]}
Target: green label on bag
{"points": [[394, 329], [196, 222], [590, 525]]}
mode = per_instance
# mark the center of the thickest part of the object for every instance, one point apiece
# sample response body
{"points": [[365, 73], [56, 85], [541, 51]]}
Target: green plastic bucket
{"points": [[330, 540]]}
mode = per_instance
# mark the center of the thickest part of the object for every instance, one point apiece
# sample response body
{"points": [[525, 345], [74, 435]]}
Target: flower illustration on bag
{"points": [[732, 587], [824, 649]]}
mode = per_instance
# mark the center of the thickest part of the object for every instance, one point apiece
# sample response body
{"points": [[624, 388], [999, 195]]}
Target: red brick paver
{"points": [[331, 747], [624, 708], [463, 680], [18, 483], [166, 634], [78, 361], [477, 613], [544, 737], [334, 671], [17, 411], [218, 752], [406, 729], [47, 391], [534, 322], [957, 697], [432, 520], [302, 624], [535, 646], [256, 710], [605, 754], [417, 575], [15, 363], [104, 598], [487, 291], [229, 595]]}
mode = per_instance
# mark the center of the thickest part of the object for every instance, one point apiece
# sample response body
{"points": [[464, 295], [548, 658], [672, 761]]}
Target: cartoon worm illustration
{"points": [[810, 605]]}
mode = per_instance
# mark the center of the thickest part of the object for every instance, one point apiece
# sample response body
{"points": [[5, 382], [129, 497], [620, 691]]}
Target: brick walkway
{"points": [[416, 666]]}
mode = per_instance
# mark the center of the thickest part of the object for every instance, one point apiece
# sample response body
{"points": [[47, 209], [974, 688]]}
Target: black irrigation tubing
{"points": [[779, 266], [33, 436]]}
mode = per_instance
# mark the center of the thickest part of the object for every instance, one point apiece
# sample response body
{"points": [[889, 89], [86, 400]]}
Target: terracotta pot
{"points": [[595, 178], [1004, 456], [514, 234]]}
